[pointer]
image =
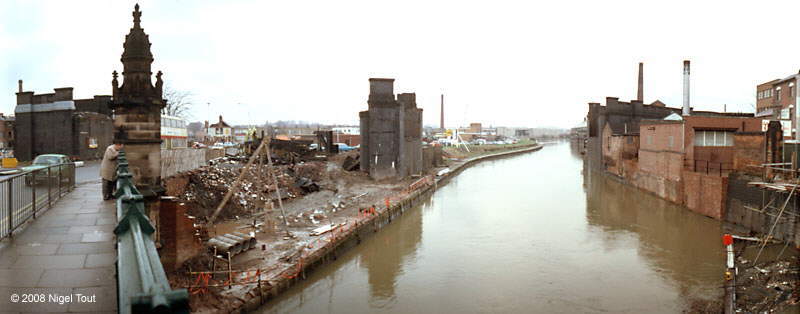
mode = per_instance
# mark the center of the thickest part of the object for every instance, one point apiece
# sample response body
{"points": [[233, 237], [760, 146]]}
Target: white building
{"points": [[354, 130]]}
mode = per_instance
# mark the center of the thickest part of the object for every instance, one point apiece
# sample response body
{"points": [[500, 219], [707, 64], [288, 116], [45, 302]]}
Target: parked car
{"points": [[344, 147], [218, 146], [60, 169], [229, 144]]}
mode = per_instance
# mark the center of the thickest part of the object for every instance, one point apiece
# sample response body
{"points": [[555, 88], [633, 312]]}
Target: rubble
{"points": [[351, 163], [767, 288], [208, 185], [306, 185]]}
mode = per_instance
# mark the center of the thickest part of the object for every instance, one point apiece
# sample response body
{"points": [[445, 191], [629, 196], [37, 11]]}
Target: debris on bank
{"points": [[322, 199], [768, 287], [207, 186]]}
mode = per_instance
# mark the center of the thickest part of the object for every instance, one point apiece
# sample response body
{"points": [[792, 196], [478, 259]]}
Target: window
{"points": [[761, 93], [671, 140], [778, 94], [713, 138]]}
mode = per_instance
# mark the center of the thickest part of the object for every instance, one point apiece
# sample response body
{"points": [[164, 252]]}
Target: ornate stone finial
{"points": [[114, 81], [159, 83], [136, 16]]}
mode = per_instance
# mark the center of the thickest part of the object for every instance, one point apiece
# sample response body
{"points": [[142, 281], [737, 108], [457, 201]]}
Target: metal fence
{"points": [[142, 284], [18, 192], [709, 167]]}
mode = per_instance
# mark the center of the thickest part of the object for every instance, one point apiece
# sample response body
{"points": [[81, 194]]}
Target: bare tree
{"points": [[179, 103]]}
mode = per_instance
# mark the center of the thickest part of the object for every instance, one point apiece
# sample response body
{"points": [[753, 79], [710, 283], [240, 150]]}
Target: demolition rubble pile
{"points": [[768, 287], [208, 185]]}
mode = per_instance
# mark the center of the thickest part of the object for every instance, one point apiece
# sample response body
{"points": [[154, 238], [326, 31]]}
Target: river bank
{"points": [[526, 232], [284, 260]]}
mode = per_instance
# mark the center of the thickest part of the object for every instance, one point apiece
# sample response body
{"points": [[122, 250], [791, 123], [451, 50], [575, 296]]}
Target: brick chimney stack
{"points": [[441, 118], [640, 91], [20, 85]]}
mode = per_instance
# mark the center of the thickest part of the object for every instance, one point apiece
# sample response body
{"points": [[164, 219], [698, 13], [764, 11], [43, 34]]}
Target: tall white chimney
{"points": [[686, 104]]}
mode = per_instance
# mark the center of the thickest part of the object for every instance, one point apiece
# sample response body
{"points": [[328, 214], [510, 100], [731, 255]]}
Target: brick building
{"points": [[687, 159], [775, 101], [220, 131], [681, 158], [622, 119], [7, 132], [57, 123], [391, 130]]}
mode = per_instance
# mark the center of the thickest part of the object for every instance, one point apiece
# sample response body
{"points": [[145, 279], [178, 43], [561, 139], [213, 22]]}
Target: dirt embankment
{"points": [[470, 151]]}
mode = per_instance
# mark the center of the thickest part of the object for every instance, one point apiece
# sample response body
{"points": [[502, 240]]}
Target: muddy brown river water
{"points": [[534, 233]]}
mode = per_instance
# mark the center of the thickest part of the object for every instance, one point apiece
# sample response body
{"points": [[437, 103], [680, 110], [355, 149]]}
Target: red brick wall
{"points": [[177, 235], [749, 150], [656, 137], [659, 155], [713, 157], [349, 139], [762, 104], [786, 96], [176, 185], [716, 154], [630, 147], [705, 194], [610, 150]]}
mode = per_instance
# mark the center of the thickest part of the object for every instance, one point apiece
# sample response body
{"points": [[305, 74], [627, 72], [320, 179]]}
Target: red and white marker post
{"points": [[730, 276]]}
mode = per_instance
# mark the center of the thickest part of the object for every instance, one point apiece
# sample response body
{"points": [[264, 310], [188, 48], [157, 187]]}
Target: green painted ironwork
{"points": [[142, 285]]}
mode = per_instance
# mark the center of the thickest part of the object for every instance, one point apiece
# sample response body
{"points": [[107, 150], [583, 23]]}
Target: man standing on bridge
{"points": [[108, 169]]}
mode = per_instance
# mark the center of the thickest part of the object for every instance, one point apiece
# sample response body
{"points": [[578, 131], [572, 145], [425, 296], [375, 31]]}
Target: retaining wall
{"points": [[745, 204], [181, 159]]}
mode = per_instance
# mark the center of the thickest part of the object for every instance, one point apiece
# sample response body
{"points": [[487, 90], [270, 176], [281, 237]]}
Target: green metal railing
{"points": [[142, 285]]}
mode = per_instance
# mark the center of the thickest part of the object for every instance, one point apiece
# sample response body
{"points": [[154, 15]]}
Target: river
{"points": [[533, 233]]}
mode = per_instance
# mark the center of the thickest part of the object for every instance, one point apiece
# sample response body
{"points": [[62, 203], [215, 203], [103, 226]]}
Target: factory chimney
{"points": [[686, 105], [20, 85], [441, 118], [640, 91]]}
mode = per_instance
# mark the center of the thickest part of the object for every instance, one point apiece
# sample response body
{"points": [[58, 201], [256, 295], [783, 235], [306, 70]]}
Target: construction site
{"points": [[261, 221]]}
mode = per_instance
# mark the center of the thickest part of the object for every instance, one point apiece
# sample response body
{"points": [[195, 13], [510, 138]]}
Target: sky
{"points": [[501, 63]]}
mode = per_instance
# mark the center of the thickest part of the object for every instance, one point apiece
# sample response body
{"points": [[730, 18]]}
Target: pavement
{"points": [[90, 172], [63, 261]]}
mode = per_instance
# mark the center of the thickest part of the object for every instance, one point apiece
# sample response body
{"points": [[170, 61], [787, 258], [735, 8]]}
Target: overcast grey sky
{"points": [[513, 63]]}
